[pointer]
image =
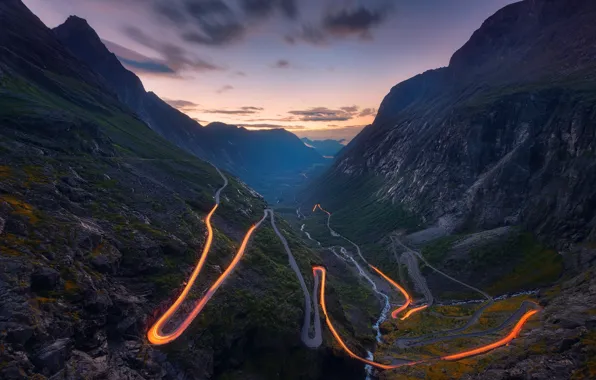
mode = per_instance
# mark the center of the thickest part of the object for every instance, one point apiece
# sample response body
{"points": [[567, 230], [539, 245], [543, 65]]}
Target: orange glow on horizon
{"points": [[512, 335], [155, 334]]}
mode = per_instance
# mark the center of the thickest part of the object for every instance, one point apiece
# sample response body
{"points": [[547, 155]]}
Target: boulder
{"points": [[52, 358], [19, 334], [44, 278], [97, 302], [83, 366]]}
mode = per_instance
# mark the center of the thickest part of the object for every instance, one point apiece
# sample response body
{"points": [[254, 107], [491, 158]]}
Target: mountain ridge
{"points": [[101, 221], [456, 118], [254, 166]]}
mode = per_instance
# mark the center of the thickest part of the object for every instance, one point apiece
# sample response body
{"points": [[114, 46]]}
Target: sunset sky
{"points": [[319, 68]]}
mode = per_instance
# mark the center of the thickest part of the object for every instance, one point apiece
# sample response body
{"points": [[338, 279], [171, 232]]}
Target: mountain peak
{"points": [[78, 25], [76, 20], [517, 34], [83, 37]]}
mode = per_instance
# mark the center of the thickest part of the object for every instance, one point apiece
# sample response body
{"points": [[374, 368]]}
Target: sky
{"points": [[319, 68]]}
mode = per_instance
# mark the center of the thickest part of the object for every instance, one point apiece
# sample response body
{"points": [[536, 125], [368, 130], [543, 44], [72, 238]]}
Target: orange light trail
{"points": [[512, 335], [412, 311], [323, 272], [403, 291], [155, 334], [318, 205], [480, 350]]}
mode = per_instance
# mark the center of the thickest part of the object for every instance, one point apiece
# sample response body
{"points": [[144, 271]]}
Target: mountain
{"points": [[487, 167], [499, 136], [328, 148], [274, 159], [101, 223]]}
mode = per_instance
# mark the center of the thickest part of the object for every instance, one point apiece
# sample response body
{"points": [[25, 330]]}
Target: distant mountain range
{"points": [[265, 159], [328, 148]]}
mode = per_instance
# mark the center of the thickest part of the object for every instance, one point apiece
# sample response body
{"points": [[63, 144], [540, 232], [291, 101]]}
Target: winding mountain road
{"points": [[321, 272], [157, 336], [363, 273], [414, 341], [421, 257], [523, 308], [526, 310], [317, 340], [218, 192]]}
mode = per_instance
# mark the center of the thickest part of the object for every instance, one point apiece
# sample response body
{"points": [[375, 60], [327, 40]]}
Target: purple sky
{"points": [[319, 68]]}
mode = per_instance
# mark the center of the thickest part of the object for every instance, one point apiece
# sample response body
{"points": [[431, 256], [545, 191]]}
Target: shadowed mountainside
{"points": [[101, 220], [263, 159], [488, 166], [498, 137]]}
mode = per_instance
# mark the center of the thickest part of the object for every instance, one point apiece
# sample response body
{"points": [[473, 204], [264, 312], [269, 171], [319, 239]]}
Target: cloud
{"points": [[173, 56], [219, 23], [288, 118], [315, 114], [309, 34], [350, 109], [215, 34], [258, 8], [238, 74], [368, 112], [146, 67], [203, 22], [137, 62], [225, 88], [275, 126], [289, 8], [325, 114], [358, 21], [281, 64], [182, 105], [240, 111], [342, 22]]}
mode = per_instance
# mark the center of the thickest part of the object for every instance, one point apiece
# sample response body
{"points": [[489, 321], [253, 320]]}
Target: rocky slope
{"points": [[100, 223], [264, 159], [500, 140], [503, 135]]}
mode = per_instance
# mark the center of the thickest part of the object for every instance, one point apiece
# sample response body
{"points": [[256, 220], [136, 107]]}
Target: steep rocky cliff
{"points": [[488, 168], [503, 135]]}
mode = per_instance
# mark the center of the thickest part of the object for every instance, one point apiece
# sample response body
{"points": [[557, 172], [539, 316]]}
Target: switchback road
{"points": [[318, 336], [321, 272], [526, 310], [157, 336]]}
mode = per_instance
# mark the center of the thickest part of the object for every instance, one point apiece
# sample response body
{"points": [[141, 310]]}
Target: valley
{"points": [[453, 237]]}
